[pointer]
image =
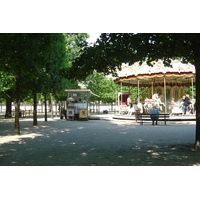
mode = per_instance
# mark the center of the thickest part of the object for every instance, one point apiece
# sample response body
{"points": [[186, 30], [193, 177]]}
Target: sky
{"points": [[93, 37], [128, 16]]}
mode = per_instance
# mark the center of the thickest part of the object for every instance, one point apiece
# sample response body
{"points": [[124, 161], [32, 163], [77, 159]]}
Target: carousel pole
{"points": [[120, 100], [121, 87], [138, 89], [192, 88], [121, 92], [165, 95]]}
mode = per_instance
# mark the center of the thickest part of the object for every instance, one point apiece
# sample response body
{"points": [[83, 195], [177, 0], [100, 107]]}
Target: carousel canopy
{"points": [[144, 75]]}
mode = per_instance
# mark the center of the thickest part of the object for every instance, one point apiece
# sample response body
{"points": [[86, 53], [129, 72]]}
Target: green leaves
{"points": [[102, 86], [35, 58], [113, 49]]}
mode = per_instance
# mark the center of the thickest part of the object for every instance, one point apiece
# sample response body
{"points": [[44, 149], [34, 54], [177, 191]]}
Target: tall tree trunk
{"points": [[45, 107], [8, 113], [197, 65], [51, 107], [35, 123], [17, 106]]}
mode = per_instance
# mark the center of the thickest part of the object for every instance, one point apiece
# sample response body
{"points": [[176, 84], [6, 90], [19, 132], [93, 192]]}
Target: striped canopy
{"points": [[178, 74]]}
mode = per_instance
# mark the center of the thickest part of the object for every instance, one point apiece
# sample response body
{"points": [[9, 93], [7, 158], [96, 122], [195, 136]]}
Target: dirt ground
{"points": [[97, 143]]}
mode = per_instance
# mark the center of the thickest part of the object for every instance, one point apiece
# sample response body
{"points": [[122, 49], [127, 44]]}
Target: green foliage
{"points": [[34, 60], [40, 61], [111, 50], [103, 86], [51, 73], [190, 90], [74, 43], [134, 92], [23, 56], [6, 82], [60, 95]]}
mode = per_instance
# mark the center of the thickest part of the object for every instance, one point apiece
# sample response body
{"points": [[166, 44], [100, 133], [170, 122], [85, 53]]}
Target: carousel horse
{"points": [[148, 105], [155, 101]]}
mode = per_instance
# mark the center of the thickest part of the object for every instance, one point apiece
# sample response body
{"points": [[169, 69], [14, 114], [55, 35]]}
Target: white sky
{"points": [[93, 37], [128, 16]]}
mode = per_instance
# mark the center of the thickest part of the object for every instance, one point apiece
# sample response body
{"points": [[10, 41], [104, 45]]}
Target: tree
{"points": [[102, 86], [6, 91], [13, 59], [111, 50], [37, 63], [34, 60], [52, 71], [74, 44]]}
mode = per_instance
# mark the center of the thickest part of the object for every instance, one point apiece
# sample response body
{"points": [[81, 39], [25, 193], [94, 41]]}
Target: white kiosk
{"points": [[78, 104]]}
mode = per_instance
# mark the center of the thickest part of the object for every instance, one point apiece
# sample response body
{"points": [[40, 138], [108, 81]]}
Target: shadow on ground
{"points": [[91, 143]]}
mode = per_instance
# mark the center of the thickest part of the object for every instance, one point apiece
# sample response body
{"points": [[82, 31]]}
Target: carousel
{"points": [[163, 83]]}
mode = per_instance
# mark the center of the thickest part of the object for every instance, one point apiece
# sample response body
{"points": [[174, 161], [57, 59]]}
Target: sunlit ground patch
{"points": [[84, 154], [17, 138], [124, 122]]}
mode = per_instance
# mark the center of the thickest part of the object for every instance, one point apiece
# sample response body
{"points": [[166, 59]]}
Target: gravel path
{"points": [[97, 143]]}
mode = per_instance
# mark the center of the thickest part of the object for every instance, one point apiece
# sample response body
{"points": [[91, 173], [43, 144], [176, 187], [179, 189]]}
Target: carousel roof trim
{"points": [[158, 67], [159, 75], [136, 72]]}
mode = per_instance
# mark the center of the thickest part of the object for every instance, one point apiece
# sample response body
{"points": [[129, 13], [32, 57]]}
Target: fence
{"points": [[94, 108]]}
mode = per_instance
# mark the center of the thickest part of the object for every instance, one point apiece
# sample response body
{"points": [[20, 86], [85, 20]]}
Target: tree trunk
{"points": [[197, 65], [8, 113], [51, 107], [17, 107], [35, 109], [45, 107]]}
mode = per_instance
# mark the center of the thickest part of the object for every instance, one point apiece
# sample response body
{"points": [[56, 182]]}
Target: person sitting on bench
{"points": [[154, 117]]}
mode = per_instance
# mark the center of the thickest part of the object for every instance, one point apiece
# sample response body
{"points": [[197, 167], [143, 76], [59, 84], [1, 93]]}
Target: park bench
{"points": [[147, 117]]}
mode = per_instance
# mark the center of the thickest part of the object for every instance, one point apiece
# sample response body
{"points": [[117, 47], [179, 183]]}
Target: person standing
{"points": [[182, 106], [154, 117], [128, 100], [130, 108], [137, 110], [186, 104]]}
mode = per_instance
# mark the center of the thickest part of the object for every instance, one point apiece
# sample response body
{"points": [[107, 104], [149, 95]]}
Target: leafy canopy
{"points": [[113, 49]]}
